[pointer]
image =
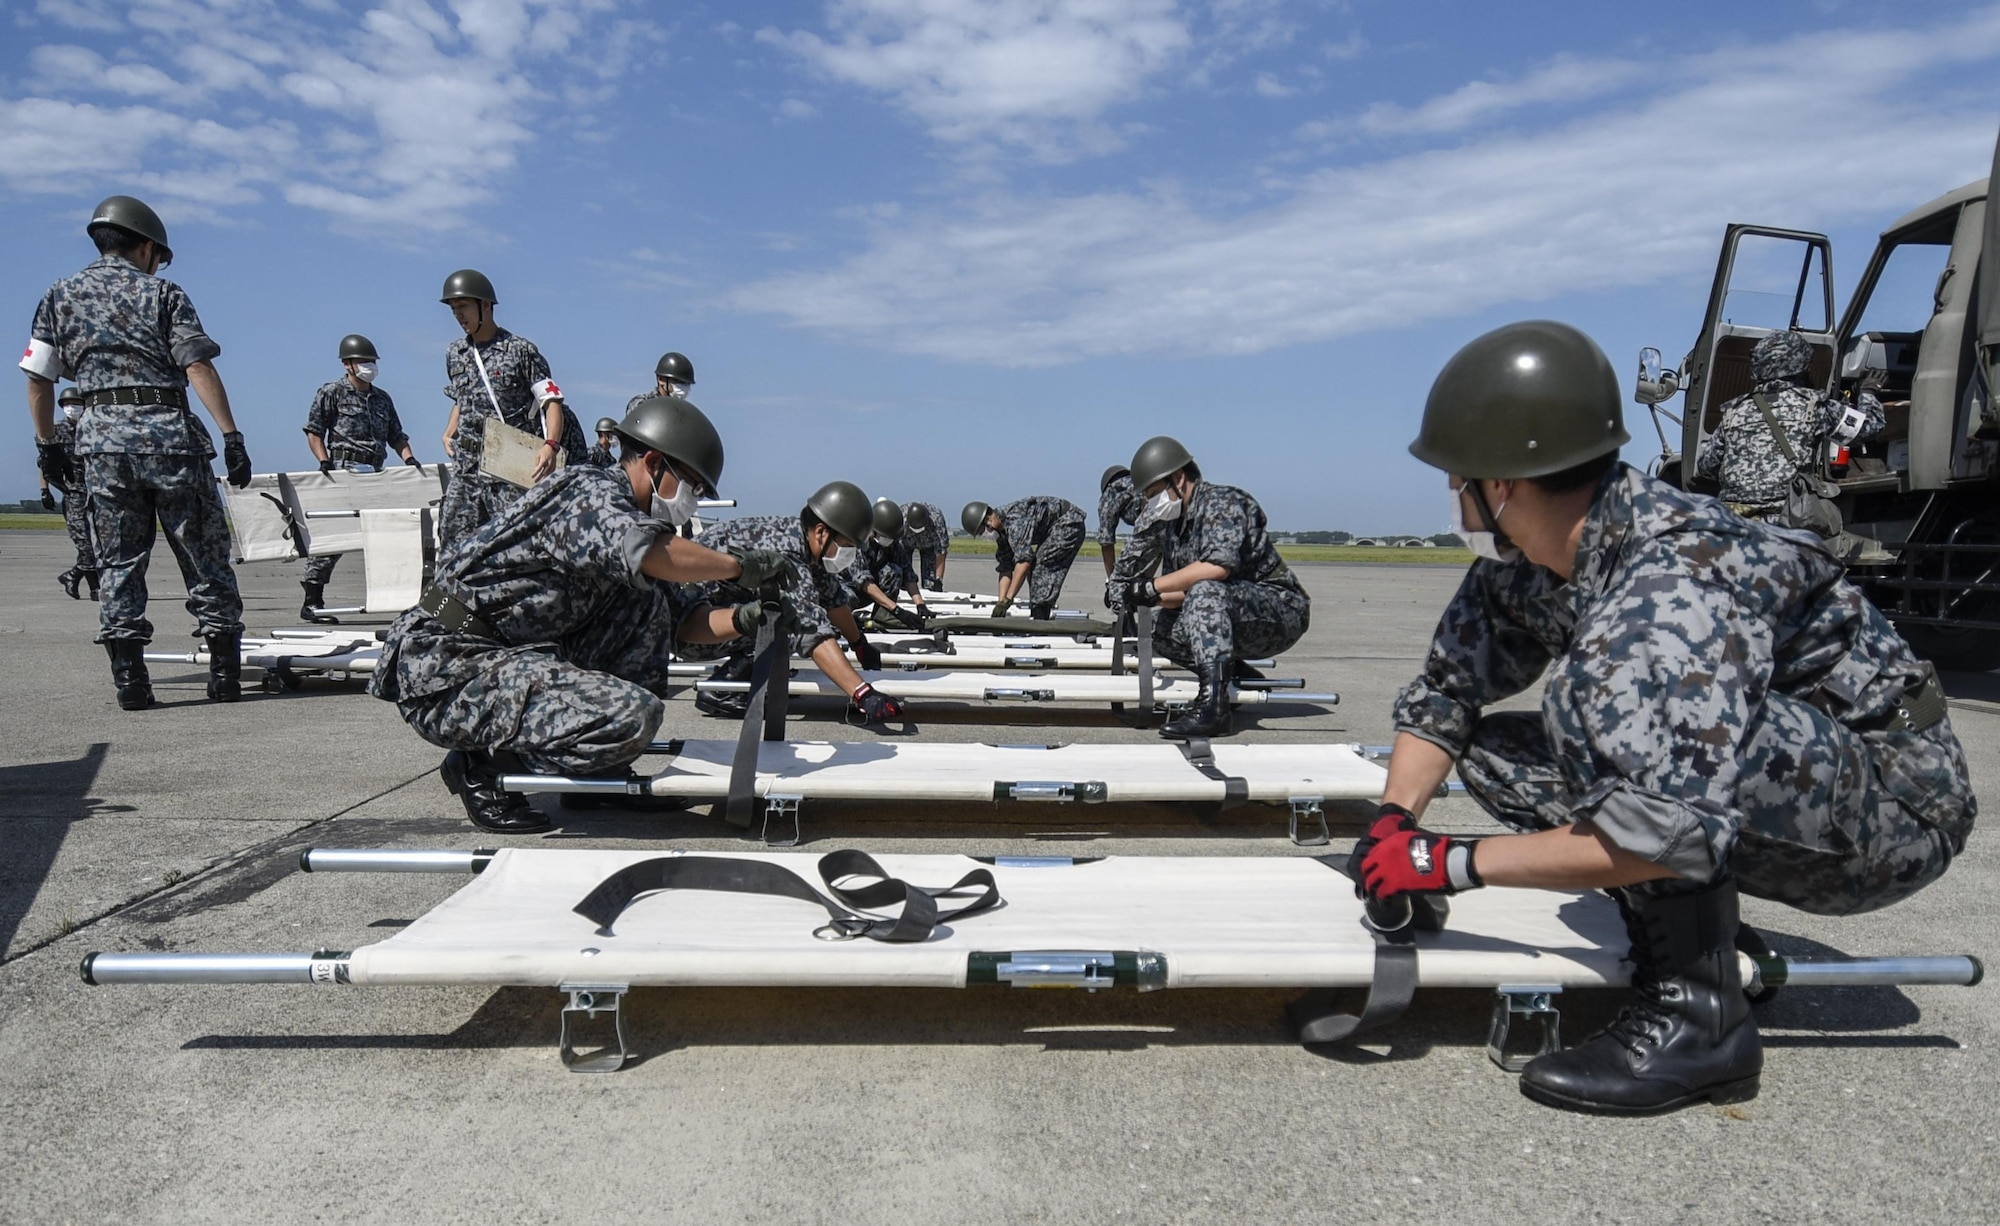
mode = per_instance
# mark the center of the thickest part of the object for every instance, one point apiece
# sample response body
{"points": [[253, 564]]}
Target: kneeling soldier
{"points": [[1723, 710], [545, 637], [1224, 593]]}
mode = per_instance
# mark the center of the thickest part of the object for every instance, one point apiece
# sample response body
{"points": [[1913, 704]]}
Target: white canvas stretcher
{"points": [[1143, 921], [280, 517], [1044, 688]]}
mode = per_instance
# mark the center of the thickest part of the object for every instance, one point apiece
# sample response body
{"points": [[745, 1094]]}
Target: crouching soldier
{"points": [[823, 544], [1723, 712], [1036, 539], [887, 568], [1203, 556], [545, 638]]}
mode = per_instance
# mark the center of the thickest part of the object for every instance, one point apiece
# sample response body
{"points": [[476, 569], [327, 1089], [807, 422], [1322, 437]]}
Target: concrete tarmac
{"points": [[179, 829]]}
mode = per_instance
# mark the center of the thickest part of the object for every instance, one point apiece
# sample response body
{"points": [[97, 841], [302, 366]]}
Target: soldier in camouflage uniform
{"points": [[928, 539], [75, 508], [1745, 460], [886, 568], [822, 543], [673, 375], [605, 453], [1722, 710], [492, 372], [545, 638], [1035, 540], [351, 427], [1203, 556], [133, 343], [1117, 502]]}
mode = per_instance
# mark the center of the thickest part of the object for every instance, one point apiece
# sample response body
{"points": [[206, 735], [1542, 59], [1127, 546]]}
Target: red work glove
{"points": [[1415, 861], [875, 706]]}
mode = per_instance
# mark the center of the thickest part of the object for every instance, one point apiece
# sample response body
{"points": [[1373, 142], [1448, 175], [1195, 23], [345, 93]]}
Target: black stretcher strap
{"points": [[1317, 1016], [1201, 755], [765, 711], [870, 886], [292, 528]]}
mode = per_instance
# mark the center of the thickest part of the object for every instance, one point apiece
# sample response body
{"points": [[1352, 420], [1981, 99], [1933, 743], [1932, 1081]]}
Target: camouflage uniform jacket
{"points": [[1119, 503], [557, 571], [1220, 525], [811, 596], [937, 540], [357, 424], [515, 366], [890, 566], [1747, 462], [114, 326], [1025, 523], [601, 456], [1681, 619]]}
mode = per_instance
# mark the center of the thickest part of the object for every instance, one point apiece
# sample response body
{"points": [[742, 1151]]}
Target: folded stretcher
{"points": [[595, 924], [384, 515]]}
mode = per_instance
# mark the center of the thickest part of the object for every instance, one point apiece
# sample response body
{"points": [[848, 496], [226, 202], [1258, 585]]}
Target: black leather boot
{"points": [[90, 579], [71, 580], [128, 673], [1043, 611], [474, 778], [730, 704], [225, 667], [1688, 1037], [314, 601], [1211, 713]]}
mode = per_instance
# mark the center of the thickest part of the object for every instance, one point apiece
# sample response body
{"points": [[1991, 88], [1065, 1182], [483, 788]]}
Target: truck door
{"points": [[1766, 281]]}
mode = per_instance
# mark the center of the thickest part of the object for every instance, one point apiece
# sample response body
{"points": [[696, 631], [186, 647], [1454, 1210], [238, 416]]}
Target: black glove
{"points": [[1141, 594], [326, 466], [906, 619], [748, 616], [410, 461], [53, 459], [1002, 607], [876, 707], [236, 459], [764, 567], [48, 500], [869, 654], [1114, 595]]}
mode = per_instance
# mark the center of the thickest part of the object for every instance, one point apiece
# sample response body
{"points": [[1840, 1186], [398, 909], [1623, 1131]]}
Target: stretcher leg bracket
{"points": [[586, 1002], [1534, 1000], [782, 807], [1310, 809]]}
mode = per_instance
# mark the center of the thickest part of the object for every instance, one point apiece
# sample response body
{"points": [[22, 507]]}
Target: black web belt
{"points": [[1317, 1015], [1201, 756], [172, 397], [454, 615], [763, 716], [871, 886], [1141, 622]]}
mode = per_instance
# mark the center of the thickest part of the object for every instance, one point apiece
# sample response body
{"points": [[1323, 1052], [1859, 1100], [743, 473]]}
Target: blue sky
{"points": [[973, 248]]}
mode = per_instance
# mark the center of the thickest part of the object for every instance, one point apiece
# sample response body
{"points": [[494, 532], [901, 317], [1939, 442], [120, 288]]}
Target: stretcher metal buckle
{"points": [[1536, 1000], [843, 929], [586, 1001], [781, 806], [1310, 808]]}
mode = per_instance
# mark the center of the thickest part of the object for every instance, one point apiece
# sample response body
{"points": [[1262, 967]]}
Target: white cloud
{"points": [[1269, 86], [1034, 74], [797, 108], [1562, 80], [1615, 198], [396, 120]]}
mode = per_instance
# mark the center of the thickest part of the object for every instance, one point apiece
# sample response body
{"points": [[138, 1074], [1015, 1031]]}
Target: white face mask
{"points": [[679, 509], [365, 371], [72, 411], [675, 388], [1160, 508], [838, 559], [1482, 543]]}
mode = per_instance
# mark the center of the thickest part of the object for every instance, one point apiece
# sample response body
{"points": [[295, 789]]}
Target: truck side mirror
{"points": [[1655, 383]]}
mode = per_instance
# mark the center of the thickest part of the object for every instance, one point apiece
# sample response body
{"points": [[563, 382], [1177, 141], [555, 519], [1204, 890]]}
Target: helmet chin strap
{"points": [[1487, 516]]}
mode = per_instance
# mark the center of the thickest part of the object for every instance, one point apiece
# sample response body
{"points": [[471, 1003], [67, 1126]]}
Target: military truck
{"points": [[1921, 501]]}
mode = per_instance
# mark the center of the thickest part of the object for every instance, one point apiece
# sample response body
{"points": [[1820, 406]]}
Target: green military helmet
{"points": [[606, 425], [888, 519], [1112, 474], [71, 395], [679, 431], [918, 517], [355, 347], [1156, 460], [1525, 400], [134, 216], [675, 366], [843, 507], [468, 283], [974, 517]]}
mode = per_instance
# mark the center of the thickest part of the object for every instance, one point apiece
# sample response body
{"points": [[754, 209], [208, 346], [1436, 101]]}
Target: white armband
{"points": [[39, 359], [1852, 419], [545, 391]]}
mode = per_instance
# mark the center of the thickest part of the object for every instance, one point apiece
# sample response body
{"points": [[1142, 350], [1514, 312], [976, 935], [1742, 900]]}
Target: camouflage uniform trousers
{"points": [[319, 569], [1052, 561], [76, 518], [470, 501], [1830, 820], [126, 494], [1237, 620], [557, 717], [930, 564]]}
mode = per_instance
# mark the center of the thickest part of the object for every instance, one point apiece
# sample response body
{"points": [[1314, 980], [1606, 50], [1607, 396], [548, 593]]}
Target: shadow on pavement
{"points": [[39, 802]]}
